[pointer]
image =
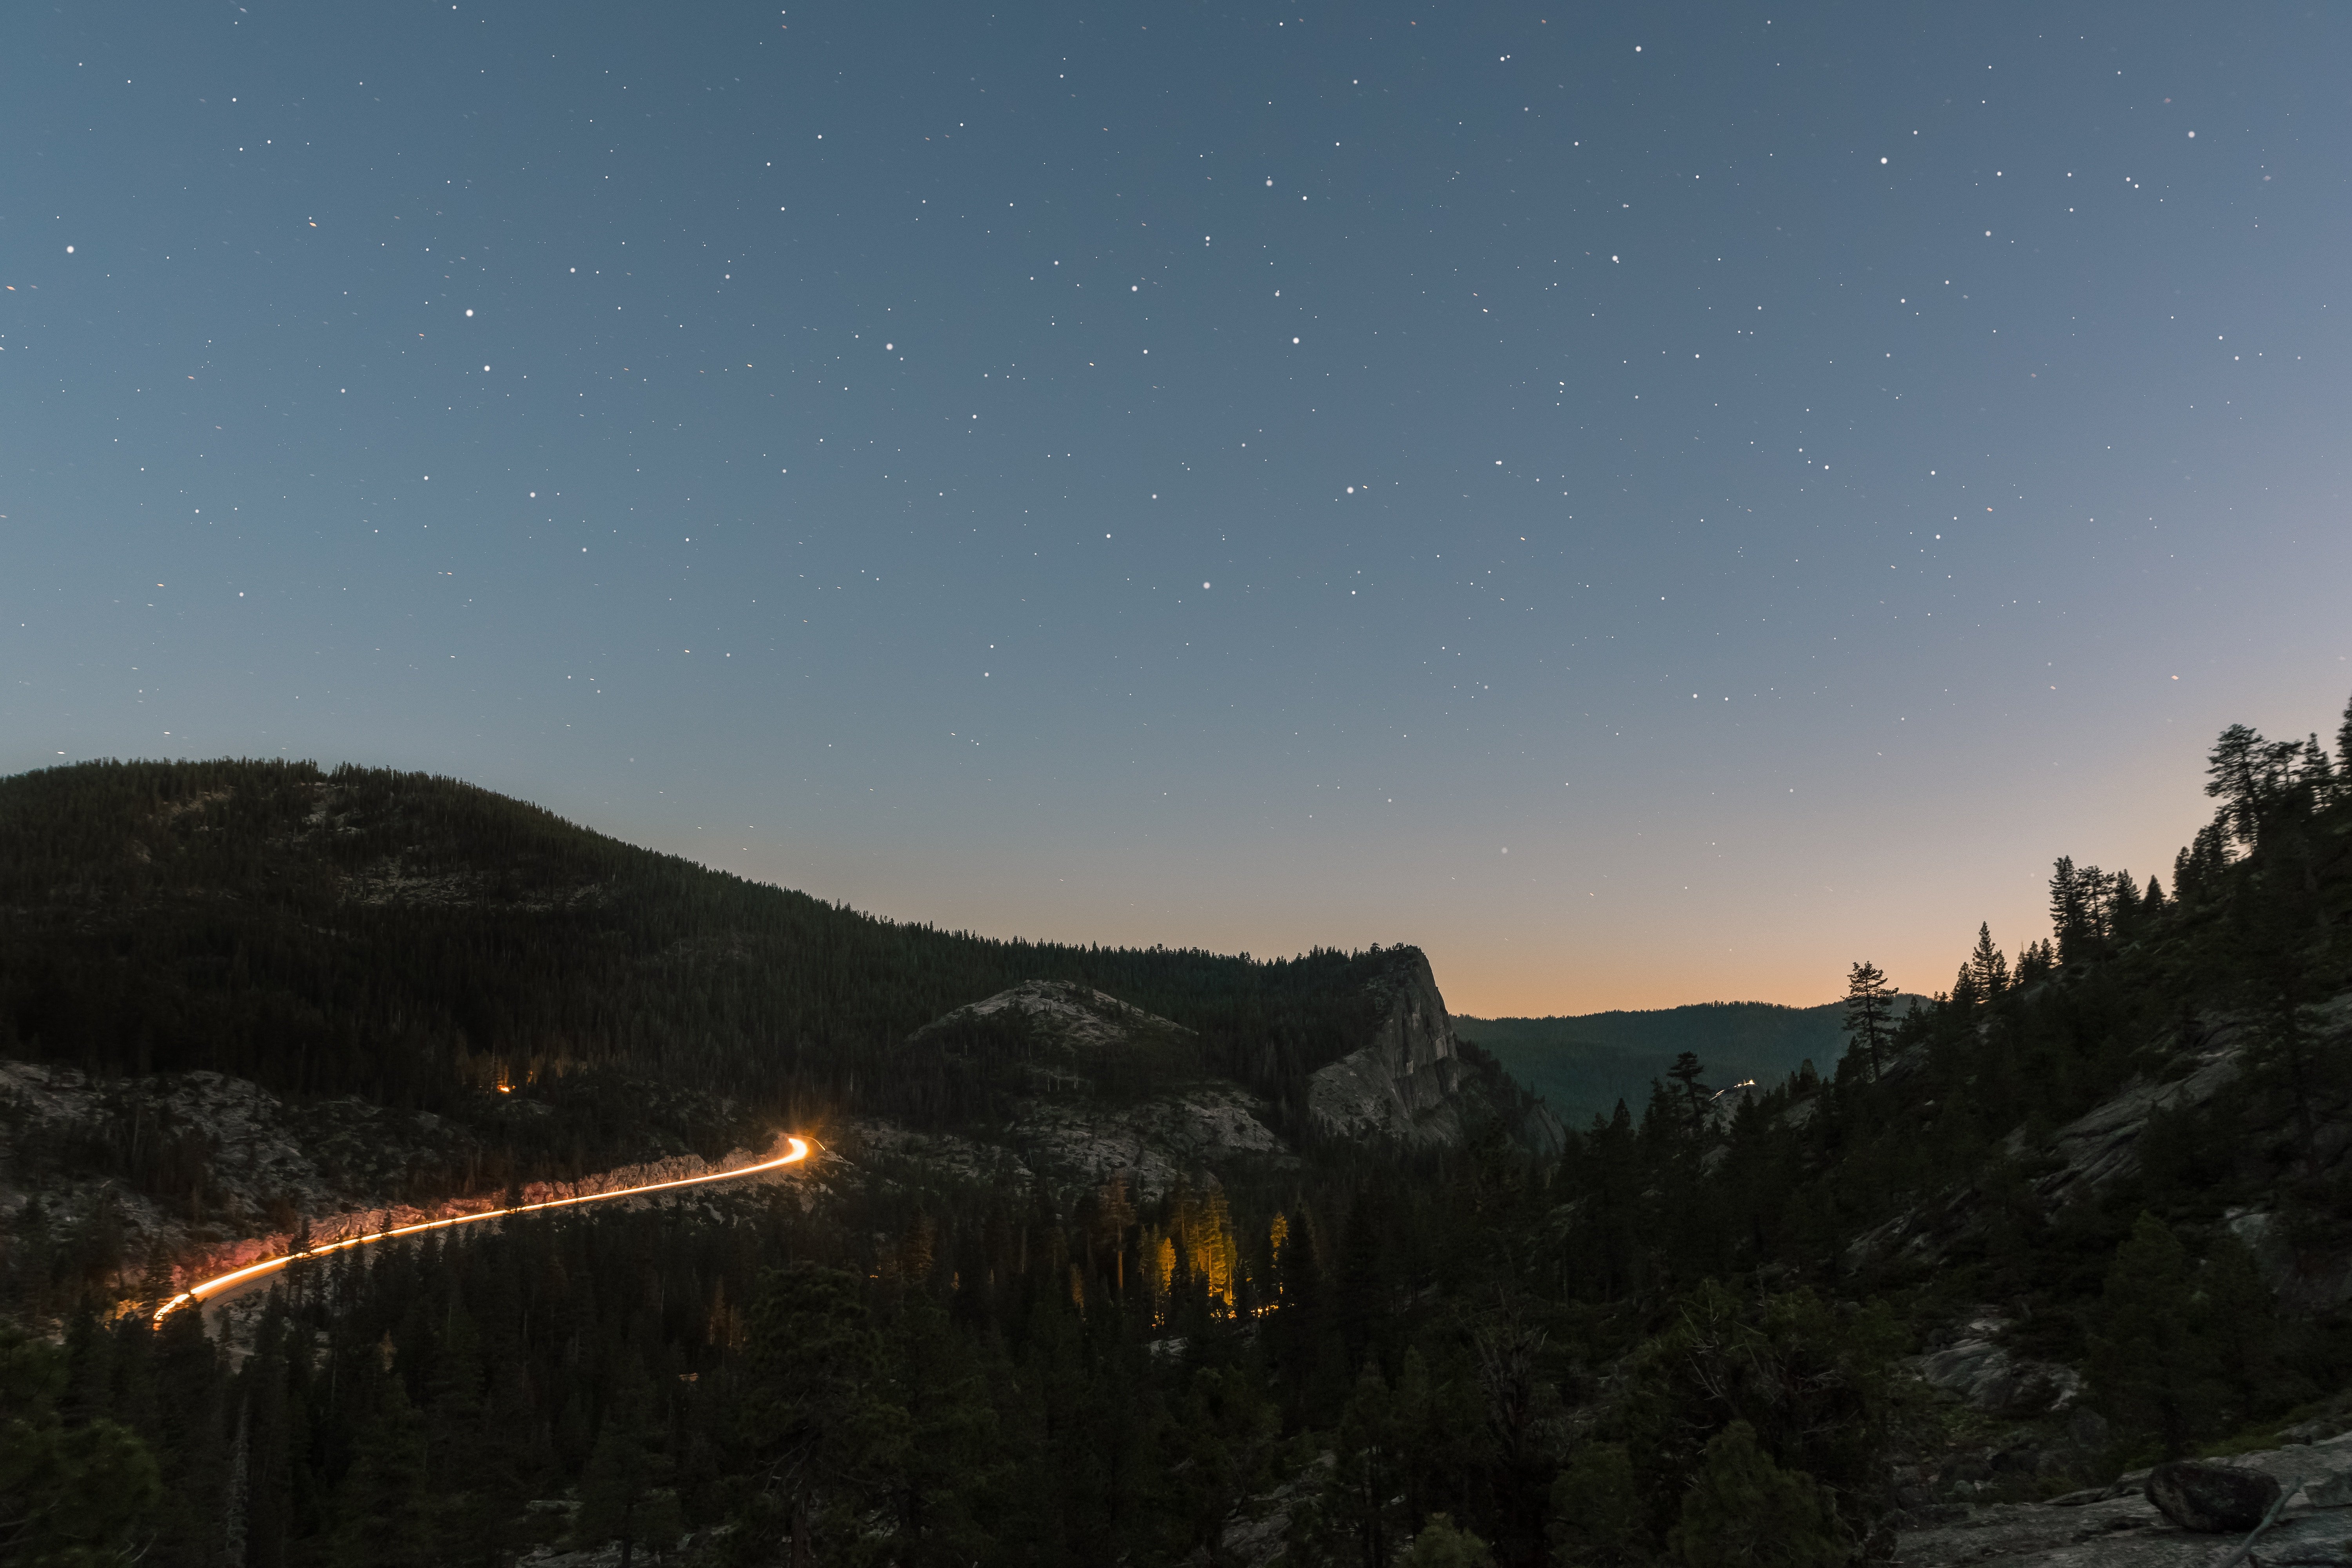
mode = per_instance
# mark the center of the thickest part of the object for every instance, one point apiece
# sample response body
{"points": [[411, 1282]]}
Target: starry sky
{"points": [[1650, 503]]}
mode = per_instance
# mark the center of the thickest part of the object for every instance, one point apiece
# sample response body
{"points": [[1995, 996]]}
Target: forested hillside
{"points": [[415, 942], [2123, 1156], [1585, 1064]]}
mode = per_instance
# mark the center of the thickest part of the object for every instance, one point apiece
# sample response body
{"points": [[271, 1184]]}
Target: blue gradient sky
{"points": [[1650, 503]]}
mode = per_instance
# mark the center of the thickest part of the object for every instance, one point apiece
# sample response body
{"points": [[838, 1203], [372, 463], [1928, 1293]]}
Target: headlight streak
{"points": [[267, 1266]]}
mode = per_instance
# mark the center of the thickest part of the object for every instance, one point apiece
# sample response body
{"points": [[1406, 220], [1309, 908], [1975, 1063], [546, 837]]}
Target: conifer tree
{"points": [[1596, 1511], [386, 1517], [1359, 1501], [2152, 1370], [1225, 1445], [2081, 897], [69, 1496], [191, 1442], [2252, 778], [1868, 1008], [1745, 1511], [1439, 1544], [948, 1459], [1686, 1072], [2316, 775], [2240, 1319], [620, 1495], [1987, 966], [814, 1411]]}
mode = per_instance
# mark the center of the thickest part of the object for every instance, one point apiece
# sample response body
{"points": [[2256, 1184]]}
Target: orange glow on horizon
{"points": [[212, 1286]]}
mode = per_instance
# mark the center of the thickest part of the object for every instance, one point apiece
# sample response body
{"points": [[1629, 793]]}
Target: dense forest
{"points": [[1680, 1340], [417, 942]]}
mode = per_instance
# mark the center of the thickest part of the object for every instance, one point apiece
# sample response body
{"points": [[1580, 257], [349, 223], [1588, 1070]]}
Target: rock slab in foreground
{"points": [[2214, 1499]]}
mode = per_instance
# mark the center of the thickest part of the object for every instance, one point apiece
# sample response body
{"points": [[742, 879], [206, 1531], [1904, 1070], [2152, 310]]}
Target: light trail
{"points": [[267, 1266]]}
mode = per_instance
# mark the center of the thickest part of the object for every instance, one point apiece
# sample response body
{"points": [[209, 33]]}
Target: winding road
{"points": [[206, 1290]]}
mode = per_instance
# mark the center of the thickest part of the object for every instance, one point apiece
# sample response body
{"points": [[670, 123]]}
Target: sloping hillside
{"points": [[522, 999], [414, 939]]}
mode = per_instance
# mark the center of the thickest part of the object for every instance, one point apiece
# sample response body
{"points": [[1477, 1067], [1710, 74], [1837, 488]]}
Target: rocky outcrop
{"points": [[1976, 1368], [1184, 1119], [1404, 1083], [2117, 1526], [1153, 1144], [1076, 1017], [184, 1161], [1174, 1117], [2215, 1499], [2085, 1157], [2100, 1146]]}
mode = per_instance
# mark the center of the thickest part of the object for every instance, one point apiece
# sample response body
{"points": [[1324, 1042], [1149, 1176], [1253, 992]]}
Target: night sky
{"points": [[1648, 503]]}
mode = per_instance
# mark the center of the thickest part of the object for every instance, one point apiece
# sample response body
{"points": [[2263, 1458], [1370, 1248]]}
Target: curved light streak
{"points": [[267, 1266]]}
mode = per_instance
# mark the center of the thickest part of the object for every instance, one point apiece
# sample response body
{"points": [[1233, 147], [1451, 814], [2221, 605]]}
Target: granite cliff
{"points": [[1405, 1081], [1100, 1088]]}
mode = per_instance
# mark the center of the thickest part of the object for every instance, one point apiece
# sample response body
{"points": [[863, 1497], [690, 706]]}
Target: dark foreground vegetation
{"points": [[1678, 1342]]}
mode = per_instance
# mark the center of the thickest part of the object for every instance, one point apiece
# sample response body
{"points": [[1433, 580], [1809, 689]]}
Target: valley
{"points": [[592, 1203]]}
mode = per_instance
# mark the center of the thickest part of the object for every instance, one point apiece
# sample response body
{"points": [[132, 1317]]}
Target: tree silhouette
{"points": [[1869, 1008], [1686, 1072], [1987, 968]]}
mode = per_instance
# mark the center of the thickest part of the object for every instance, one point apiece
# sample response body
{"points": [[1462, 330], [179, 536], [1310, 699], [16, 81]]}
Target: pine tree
{"points": [[1987, 967], [2233, 777], [2152, 1370], [69, 1495], [2255, 779], [949, 1459], [1868, 1007], [1745, 1511], [2120, 908], [1359, 1498], [385, 1513], [2079, 898], [1441, 1544], [620, 1495], [813, 1410], [1224, 1445], [2316, 775], [2239, 1319], [1686, 1072], [1596, 1511], [191, 1442]]}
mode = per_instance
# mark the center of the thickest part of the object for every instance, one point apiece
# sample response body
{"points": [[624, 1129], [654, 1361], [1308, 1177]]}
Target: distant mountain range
{"points": [[1584, 1065]]}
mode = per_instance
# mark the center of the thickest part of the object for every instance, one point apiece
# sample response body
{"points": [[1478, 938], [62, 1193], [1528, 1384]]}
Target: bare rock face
{"points": [[1076, 1016], [1976, 1367], [1401, 1084], [2215, 1498], [1177, 1121], [252, 1163], [2116, 1526]]}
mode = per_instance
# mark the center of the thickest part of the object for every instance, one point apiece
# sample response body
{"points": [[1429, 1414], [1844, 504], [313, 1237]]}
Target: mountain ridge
{"points": [[558, 1003], [1583, 1064]]}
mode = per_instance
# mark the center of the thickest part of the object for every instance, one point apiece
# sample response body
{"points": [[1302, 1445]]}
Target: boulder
{"points": [[2216, 1499]]}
